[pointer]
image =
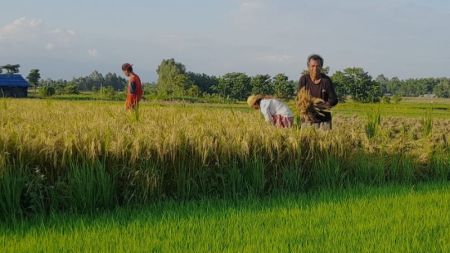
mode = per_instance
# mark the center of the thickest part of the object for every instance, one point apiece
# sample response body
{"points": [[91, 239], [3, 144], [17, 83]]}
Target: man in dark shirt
{"points": [[320, 86]]}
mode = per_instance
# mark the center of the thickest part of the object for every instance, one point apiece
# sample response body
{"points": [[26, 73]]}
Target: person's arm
{"points": [[133, 86], [332, 97]]}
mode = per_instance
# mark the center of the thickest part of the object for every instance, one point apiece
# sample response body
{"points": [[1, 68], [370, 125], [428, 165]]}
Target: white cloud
{"points": [[23, 33], [20, 29]]}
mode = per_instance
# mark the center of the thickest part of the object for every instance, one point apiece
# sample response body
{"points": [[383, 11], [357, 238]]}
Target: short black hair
{"points": [[315, 57], [127, 67]]}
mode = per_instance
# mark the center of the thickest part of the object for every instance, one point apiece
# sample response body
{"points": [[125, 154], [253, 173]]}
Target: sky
{"points": [[66, 39]]}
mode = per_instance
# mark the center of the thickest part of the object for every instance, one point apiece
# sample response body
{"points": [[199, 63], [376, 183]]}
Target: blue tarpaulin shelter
{"points": [[13, 85]]}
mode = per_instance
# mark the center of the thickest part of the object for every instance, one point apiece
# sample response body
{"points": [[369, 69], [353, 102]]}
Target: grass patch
{"points": [[385, 219]]}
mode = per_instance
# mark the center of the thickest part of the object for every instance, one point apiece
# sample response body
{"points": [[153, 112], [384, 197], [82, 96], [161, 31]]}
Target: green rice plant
{"points": [[12, 185], [328, 172], [90, 187], [366, 169], [440, 165], [293, 178], [144, 183], [35, 195], [254, 178], [233, 181], [427, 123], [401, 169], [373, 124]]}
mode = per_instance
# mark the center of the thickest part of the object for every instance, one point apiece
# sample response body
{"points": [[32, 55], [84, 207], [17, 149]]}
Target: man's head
{"points": [[127, 69], [315, 64]]}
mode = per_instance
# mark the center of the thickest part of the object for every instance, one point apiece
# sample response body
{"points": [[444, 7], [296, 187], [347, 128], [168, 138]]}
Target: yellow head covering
{"points": [[253, 98]]}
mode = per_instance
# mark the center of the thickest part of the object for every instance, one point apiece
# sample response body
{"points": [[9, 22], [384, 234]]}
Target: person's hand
{"points": [[323, 106]]}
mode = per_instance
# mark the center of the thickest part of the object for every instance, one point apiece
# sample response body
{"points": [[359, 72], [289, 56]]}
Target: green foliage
{"points": [[172, 78], [262, 84], [341, 85], [71, 89], [282, 87], [150, 90], [383, 82], [373, 123], [193, 91], [33, 77], [96, 81], [396, 99], [427, 123], [442, 90], [385, 99], [10, 68], [107, 92], [409, 87], [203, 81], [12, 184], [358, 84], [359, 219], [234, 85], [92, 82], [46, 91], [90, 187]]}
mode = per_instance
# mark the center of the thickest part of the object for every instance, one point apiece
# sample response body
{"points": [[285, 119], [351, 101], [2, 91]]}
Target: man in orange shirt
{"points": [[134, 90]]}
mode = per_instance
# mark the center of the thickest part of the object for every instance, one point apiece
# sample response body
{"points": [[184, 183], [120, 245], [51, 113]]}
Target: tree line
{"points": [[175, 81]]}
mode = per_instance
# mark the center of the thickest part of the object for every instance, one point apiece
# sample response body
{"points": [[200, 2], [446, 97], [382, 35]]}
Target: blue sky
{"points": [[72, 38]]}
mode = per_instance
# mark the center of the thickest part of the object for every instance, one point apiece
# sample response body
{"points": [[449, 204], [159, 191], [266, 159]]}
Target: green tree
{"points": [[262, 84], [234, 85], [115, 81], [71, 88], [33, 78], [358, 84], [442, 90], [203, 81], [46, 91], [383, 81], [193, 91], [172, 78], [11, 69], [340, 82], [282, 87]]}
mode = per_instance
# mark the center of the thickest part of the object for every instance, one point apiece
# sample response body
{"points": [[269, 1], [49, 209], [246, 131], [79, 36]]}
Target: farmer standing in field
{"points": [[274, 111], [134, 90], [319, 88]]}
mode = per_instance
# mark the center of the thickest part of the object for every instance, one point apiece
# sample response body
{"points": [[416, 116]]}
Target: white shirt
{"points": [[272, 107]]}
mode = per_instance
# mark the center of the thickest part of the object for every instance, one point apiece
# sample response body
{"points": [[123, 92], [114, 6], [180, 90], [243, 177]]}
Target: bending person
{"points": [[274, 111]]}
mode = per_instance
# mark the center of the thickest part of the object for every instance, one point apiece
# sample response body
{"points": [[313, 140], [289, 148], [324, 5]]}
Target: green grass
{"points": [[361, 219], [408, 107]]}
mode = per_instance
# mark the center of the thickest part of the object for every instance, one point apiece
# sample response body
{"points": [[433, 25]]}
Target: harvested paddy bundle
{"points": [[310, 107]]}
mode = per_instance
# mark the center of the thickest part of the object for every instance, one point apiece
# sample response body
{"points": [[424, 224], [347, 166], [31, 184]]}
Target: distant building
{"points": [[13, 85]]}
